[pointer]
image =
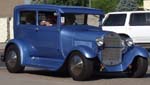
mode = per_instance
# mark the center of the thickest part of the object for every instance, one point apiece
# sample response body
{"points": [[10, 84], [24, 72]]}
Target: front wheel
{"points": [[13, 61], [138, 68], [79, 67]]}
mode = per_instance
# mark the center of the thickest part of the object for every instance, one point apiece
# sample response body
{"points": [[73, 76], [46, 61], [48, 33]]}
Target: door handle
{"points": [[37, 29]]}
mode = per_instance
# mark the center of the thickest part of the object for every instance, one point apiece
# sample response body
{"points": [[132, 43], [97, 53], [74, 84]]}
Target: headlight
{"points": [[129, 42], [99, 41], [123, 43]]}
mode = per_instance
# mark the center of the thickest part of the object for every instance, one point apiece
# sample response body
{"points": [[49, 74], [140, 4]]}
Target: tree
{"points": [[106, 5], [140, 2], [127, 5]]}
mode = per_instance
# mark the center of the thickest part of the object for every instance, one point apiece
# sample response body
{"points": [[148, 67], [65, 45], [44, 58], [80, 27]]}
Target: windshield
{"points": [[80, 19]]}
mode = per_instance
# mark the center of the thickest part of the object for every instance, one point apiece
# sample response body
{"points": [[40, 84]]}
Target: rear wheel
{"points": [[13, 62], [79, 67], [138, 68]]}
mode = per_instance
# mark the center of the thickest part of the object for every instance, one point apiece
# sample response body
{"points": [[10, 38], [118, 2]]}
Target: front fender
{"points": [[24, 52], [128, 58], [133, 53], [86, 51]]}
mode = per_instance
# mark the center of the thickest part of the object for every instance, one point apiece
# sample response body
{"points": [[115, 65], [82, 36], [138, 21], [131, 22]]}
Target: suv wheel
{"points": [[138, 68], [79, 67], [13, 60]]}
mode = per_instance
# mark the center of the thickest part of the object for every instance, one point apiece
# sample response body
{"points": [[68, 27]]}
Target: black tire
{"points": [[13, 63], [138, 68], [85, 69]]}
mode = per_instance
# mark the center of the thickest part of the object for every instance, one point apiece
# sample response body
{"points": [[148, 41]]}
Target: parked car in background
{"points": [[56, 37], [134, 24]]}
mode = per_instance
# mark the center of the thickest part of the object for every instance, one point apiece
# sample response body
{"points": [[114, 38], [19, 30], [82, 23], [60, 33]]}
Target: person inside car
{"points": [[49, 21]]}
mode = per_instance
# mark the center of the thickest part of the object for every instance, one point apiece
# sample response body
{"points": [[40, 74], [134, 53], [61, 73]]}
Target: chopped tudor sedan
{"points": [[56, 37]]}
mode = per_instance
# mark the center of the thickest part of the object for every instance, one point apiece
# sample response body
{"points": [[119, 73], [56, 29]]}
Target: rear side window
{"points": [[115, 20], [28, 17], [140, 19]]}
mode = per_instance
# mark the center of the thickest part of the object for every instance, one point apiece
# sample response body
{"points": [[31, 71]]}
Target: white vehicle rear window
{"points": [[140, 19]]}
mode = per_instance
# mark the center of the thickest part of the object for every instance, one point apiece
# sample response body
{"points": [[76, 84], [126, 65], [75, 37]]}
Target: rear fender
{"points": [[24, 52]]}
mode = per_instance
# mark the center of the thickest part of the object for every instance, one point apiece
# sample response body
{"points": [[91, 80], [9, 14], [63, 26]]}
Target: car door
{"points": [[48, 44], [139, 28], [26, 30]]}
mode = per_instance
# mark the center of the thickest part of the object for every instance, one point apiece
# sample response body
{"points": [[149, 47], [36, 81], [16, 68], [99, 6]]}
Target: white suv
{"points": [[134, 24]]}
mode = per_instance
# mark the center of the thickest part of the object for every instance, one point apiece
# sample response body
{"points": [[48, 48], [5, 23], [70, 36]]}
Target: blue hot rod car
{"points": [[55, 37]]}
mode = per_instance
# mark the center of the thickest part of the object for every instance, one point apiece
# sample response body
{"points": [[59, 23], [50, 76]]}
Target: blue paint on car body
{"points": [[49, 47]]}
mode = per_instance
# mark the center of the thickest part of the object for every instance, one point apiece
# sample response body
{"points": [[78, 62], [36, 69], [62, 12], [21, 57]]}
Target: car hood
{"points": [[85, 33]]}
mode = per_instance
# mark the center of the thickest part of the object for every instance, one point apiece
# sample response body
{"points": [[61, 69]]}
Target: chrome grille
{"points": [[112, 52]]}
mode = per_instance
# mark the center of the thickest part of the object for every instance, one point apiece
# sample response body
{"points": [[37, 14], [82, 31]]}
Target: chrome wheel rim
{"points": [[12, 58], [76, 65]]}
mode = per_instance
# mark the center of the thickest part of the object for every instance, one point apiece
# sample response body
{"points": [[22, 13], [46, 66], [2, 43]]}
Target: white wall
{"points": [[27, 1], [147, 4], [3, 29], [11, 29]]}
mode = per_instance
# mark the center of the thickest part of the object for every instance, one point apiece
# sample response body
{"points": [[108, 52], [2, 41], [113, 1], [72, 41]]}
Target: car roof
{"points": [[62, 9], [123, 12]]}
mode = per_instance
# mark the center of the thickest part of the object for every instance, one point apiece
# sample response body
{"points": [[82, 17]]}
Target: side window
{"points": [[93, 20], [47, 18], [28, 17], [115, 20], [72, 19], [140, 19]]}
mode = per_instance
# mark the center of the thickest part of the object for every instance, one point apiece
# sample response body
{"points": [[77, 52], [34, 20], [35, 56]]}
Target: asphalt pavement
{"points": [[41, 77], [34, 76]]}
